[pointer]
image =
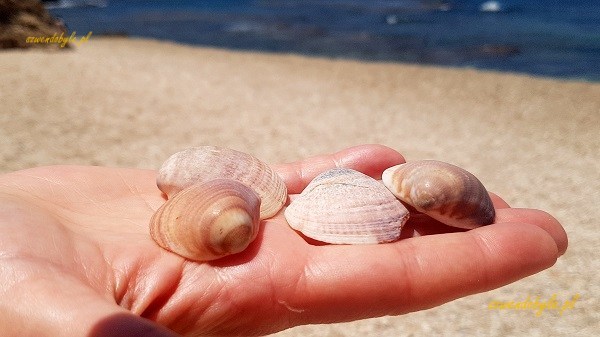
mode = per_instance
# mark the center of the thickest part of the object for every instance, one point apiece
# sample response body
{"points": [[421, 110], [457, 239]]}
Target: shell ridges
{"points": [[344, 206], [205, 163]]}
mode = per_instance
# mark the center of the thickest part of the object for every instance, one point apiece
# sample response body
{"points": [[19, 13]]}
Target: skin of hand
{"points": [[78, 260]]}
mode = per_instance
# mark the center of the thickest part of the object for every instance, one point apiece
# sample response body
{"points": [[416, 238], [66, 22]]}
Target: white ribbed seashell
{"points": [[443, 191], [205, 163], [344, 206]]}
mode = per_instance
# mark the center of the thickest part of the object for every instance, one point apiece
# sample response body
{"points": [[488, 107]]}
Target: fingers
{"points": [[538, 218], [498, 201], [357, 282], [414, 275], [369, 159], [420, 225]]}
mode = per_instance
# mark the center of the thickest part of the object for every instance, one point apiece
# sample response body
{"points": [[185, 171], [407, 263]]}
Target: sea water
{"points": [[556, 38]]}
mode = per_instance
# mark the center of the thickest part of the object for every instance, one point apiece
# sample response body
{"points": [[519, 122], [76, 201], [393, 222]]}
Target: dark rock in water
{"points": [[116, 33], [499, 50], [27, 24]]}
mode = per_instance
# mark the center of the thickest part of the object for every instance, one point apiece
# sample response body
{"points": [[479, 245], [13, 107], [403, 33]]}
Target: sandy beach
{"points": [[534, 141]]}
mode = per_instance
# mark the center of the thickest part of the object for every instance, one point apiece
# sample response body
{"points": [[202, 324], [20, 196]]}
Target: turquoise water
{"points": [[545, 38]]}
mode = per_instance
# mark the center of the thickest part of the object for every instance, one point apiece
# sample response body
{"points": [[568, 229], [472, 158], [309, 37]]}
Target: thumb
{"points": [[128, 324]]}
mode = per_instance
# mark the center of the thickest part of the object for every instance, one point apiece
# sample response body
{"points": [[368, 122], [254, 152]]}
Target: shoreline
{"points": [[412, 31], [75, 39], [121, 35]]}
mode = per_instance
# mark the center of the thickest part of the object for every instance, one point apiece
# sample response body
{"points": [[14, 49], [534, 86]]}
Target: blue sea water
{"points": [[558, 38]]}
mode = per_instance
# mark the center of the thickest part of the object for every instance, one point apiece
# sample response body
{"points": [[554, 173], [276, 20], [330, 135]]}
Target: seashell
{"points": [[344, 206], [208, 220], [199, 164], [443, 191]]}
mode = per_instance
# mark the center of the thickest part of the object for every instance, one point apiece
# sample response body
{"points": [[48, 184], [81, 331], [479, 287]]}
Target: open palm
{"points": [[78, 260]]}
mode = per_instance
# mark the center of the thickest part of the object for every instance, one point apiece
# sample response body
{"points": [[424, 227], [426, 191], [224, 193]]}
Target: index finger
{"points": [[369, 159]]}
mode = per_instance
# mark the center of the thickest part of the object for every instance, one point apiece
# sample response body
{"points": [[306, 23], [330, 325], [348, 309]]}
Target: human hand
{"points": [[78, 260]]}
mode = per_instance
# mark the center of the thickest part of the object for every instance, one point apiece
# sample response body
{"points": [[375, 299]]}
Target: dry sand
{"points": [[131, 103]]}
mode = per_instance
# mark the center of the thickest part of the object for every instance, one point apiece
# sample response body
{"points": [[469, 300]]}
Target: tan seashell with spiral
{"points": [[443, 191], [207, 221]]}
